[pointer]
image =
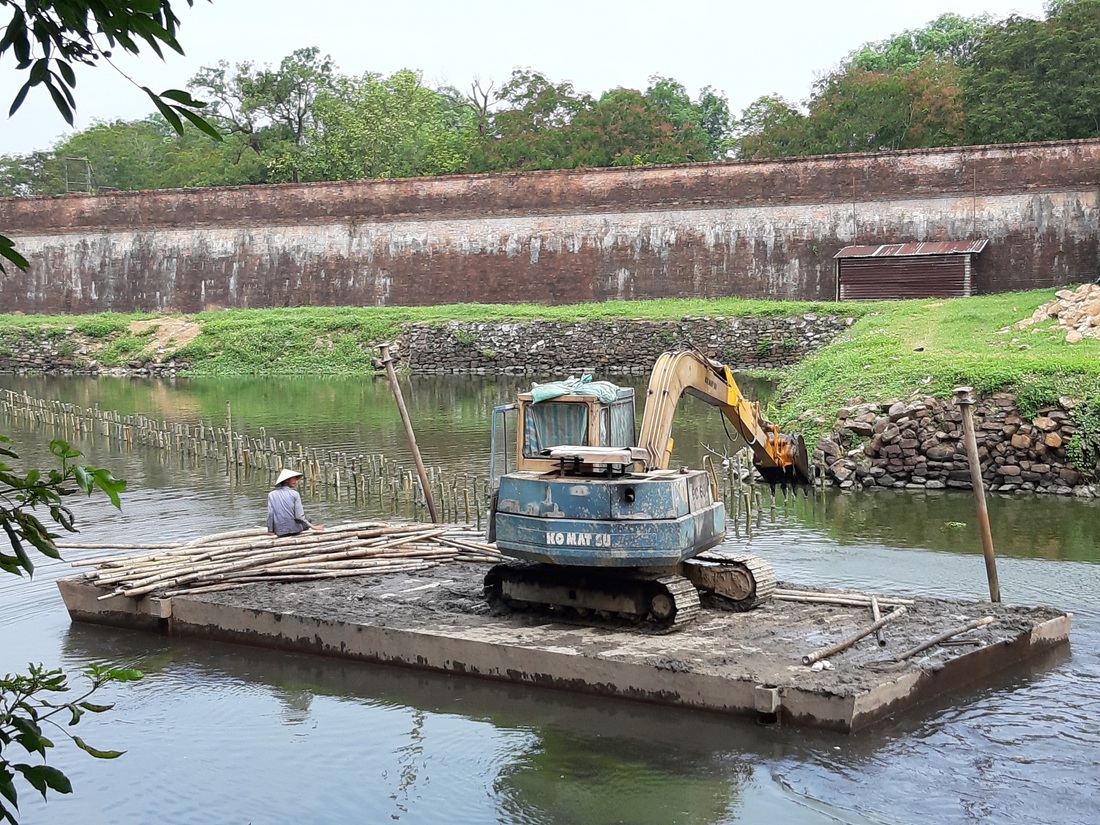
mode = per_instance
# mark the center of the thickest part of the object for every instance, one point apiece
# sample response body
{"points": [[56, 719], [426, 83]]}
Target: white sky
{"points": [[745, 49]]}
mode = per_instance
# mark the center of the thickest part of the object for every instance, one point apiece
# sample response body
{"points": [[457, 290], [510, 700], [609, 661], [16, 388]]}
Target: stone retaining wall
{"points": [[554, 347], [919, 444], [34, 352]]}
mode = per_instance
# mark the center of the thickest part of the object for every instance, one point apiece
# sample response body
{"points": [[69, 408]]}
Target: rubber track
{"points": [[684, 596], [686, 599], [763, 575]]}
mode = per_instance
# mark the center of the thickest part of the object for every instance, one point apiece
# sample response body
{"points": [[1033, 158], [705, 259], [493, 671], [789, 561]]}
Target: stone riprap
{"points": [[918, 444], [553, 347], [67, 352]]}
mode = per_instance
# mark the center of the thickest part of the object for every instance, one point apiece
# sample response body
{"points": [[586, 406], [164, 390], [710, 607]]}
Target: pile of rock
{"points": [[919, 444], [1076, 310]]}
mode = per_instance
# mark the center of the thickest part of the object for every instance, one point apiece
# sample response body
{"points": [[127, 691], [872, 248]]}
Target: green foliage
{"points": [[267, 113], [1083, 447], [542, 125], [1037, 80], [48, 39], [22, 494], [947, 38], [764, 347], [25, 713], [465, 337], [376, 127], [857, 110], [120, 349], [101, 325]]}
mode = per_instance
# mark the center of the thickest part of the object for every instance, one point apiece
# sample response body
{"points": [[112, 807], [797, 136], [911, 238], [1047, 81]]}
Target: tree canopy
{"points": [[956, 80]]}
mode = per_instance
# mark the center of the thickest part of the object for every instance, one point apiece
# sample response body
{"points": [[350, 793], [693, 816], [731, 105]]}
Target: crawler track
{"points": [[593, 596]]}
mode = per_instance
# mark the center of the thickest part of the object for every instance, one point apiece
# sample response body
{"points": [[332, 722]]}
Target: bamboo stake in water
{"points": [[388, 362]]}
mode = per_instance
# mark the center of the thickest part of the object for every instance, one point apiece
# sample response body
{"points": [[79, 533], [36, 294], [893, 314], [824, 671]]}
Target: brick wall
{"points": [[759, 229]]}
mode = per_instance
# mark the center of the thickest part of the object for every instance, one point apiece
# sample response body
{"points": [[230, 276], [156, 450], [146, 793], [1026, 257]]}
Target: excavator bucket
{"points": [[792, 463]]}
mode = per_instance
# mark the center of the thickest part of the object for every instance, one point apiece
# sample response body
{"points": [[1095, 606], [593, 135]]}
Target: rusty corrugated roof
{"points": [[908, 250]]}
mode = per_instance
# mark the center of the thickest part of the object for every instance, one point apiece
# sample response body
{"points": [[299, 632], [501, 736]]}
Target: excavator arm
{"points": [[779, 458]]}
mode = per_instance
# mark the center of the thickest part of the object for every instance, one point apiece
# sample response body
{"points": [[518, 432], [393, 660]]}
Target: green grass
{"points": [[101, 325], [342, 340], [893, 350], [928, 347]]}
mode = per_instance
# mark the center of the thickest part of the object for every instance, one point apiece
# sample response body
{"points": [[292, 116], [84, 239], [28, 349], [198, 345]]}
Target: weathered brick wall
{"points": [[760, 229]]}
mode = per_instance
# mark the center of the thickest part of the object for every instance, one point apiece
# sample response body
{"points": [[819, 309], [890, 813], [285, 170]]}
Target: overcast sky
{"points": [[744, 49]]}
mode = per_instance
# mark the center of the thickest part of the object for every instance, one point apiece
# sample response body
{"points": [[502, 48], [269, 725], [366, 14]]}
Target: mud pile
{"points": [[1076, 310]]}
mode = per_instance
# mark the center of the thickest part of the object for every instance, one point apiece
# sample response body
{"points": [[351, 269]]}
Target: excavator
{"points": [[595, 522]]}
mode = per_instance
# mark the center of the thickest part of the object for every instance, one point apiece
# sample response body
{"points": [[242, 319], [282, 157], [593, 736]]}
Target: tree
{"points": [[770, 126], [269, 111], [48, 38], [947, 38], [626, 128], [30, 702], [527, 130], [388, 127], [1037, 80], [710, 114], [854, 110]]}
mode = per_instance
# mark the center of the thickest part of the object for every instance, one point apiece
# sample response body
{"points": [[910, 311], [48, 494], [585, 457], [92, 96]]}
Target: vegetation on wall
{"points": [[957, 80]]}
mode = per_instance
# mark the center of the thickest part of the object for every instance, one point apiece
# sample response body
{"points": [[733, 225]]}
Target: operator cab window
{"points": [[552, 425]]}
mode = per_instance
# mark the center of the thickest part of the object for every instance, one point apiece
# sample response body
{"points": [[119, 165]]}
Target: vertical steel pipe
{"points": [[420, 471], [966, 402]]}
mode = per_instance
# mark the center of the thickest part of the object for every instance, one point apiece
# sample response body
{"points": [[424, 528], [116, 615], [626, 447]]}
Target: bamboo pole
{"points": [[826, 652], [966, 402], [852, 599], [963, 628], [876, 615], [421, 472]]}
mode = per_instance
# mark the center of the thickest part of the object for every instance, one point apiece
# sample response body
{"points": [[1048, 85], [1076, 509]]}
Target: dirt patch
{"points": [[169, 334]]}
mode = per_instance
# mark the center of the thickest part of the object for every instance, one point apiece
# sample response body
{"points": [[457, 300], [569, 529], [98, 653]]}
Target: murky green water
{"points": [[227, 734]]}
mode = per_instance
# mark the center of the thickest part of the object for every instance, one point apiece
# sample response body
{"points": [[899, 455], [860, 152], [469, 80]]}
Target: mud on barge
{"points": [[748, 663]]}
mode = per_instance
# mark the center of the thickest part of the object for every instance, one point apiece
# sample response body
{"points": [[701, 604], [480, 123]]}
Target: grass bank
{"points": [[928, 347], [895, 348], [339, 340]]}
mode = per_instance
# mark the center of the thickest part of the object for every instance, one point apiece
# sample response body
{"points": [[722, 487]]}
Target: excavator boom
{"points": [[778, 457]]}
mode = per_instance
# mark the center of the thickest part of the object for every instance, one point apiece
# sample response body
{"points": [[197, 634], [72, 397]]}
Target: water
{"points": [[219, 733]]}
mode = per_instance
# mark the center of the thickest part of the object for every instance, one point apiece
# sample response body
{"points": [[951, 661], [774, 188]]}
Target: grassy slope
{"points": [[341, 340], [893, 350], [928, 347]]}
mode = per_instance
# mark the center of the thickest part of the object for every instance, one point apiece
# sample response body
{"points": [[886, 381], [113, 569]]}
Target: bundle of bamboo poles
{"points": [[234, 559]]}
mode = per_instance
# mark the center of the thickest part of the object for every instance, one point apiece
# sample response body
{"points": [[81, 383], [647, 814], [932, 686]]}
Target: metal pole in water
{"points": [[420, 471], [966, 402]]}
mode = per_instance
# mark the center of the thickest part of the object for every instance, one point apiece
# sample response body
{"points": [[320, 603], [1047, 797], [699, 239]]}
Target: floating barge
{"points": [[748, 664]]}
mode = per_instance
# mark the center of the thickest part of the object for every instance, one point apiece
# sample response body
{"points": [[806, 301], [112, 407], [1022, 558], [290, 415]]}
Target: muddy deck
{"points": [[740, 663]]}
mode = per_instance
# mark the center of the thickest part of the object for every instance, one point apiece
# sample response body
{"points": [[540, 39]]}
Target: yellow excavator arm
{"points": [[779, 458]]}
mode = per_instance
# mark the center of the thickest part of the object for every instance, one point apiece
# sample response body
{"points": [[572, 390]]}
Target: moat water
{"points": [[226, 734]]}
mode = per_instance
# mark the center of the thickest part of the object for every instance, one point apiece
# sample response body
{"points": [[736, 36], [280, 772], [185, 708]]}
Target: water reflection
{"points": [[221, 733]]}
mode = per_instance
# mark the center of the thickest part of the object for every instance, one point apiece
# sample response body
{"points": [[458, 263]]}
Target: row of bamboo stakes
{"points": [[233, 559], [387, 486]]}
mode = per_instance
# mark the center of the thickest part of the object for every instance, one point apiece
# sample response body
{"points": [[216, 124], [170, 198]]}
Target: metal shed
{"points": [[906, 270]]}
